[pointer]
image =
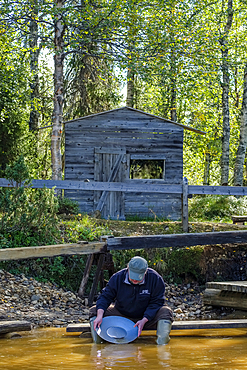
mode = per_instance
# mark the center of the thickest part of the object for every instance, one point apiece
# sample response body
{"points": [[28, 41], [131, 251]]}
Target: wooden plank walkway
{"points": [[178, 325], [228, 294], [12, 326]]}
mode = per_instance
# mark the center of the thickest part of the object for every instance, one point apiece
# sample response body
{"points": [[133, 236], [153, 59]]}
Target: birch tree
{"points": [[240, 156], [57, 118], [223, 40], [34, 67]]}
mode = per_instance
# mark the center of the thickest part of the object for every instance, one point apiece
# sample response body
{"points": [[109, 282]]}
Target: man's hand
{"points": [[140, 325], [98, 321]]}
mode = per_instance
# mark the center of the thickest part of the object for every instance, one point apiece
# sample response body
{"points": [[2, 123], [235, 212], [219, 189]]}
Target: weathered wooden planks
{"points": [[178, 325], [230, 286], [223, 298], [12, 326], [130, 114], [109, 167], [50, 251], [176, 240], [228, 294], [239, 220], [133, 131], [168, 206]]}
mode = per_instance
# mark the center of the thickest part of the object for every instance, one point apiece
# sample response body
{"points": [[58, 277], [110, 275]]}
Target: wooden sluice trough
{"points": [[184, 328], [228, 294]]}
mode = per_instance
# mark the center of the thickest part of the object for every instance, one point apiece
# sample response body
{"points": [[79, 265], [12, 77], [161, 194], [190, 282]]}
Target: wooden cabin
{"points": [[125, 145]]}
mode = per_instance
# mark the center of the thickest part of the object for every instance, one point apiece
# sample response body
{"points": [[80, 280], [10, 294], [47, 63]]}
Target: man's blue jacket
{"points": [[134, 301]]}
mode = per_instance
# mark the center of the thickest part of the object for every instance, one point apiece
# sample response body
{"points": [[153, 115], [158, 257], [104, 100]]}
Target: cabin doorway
{"points": [[110, 165]]}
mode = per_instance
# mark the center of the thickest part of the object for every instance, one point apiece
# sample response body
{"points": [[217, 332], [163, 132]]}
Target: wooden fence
{"points": [[183, 189]]}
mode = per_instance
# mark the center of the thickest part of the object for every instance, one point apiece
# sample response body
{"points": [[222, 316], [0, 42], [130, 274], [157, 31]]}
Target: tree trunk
{"points": [[132, 31], [173, 101], [57, 119], [130, 88], [225, 97], [207, 163], [34, 67], [173, 87], [240, 156]]}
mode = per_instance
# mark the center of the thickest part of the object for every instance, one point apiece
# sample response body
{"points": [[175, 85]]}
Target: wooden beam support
{"points": [[50, 251], [87, 270], [96, 279], [176, 240]]}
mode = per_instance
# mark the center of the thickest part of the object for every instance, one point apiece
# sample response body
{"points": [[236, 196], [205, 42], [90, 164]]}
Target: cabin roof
{"points": [[142, 112]]}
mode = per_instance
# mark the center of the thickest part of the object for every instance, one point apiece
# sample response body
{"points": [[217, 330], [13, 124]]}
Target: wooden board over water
{"points": [[177, 326]]}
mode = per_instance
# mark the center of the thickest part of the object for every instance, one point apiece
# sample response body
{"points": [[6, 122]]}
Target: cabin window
{"points": [[147, 169]]}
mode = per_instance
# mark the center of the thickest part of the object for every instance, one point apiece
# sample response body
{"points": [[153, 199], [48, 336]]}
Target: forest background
{"points": [[185, 61]]}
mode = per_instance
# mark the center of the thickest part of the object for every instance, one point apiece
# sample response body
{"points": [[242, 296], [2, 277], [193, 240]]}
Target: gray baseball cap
{"points": [[137, 268]]}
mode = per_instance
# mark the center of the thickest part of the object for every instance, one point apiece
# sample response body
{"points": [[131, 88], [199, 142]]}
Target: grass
{"points": [[216, 208]]}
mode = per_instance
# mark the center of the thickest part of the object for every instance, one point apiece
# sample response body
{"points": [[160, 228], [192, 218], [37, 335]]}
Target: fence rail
{"points": [[183, 189]]}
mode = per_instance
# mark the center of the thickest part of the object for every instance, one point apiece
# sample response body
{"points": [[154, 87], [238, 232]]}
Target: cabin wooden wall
{"points": [[136, 133]]}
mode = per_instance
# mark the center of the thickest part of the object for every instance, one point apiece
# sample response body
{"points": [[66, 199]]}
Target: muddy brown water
{"points": [[51, 349]]}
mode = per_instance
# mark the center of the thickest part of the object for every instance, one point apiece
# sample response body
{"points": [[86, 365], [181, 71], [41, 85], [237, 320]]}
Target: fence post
{"points": [[185, 216]]}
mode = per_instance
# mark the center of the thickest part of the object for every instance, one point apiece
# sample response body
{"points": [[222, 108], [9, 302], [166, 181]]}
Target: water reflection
{"points": [[119, 356], [52, 349]]}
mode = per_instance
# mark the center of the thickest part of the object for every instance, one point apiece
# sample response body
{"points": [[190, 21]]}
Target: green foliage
{"points": [[90, 85], [175, 265], [183, 265], [14, 96], [66, 271], [38, 143], [67, 206], [83, 228], [28, 216], [18, 172], [216, 208]]}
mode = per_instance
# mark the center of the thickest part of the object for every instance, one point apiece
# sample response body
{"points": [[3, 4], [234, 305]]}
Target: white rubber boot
{"points": [[163, 331], [95, 336]]}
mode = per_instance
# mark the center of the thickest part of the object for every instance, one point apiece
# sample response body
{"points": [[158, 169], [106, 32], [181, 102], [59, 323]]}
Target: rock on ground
{"points": [[186, 301], [43, 304]]}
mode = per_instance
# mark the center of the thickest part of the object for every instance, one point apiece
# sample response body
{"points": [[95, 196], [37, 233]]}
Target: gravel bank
{"points": [[44, 304]]}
